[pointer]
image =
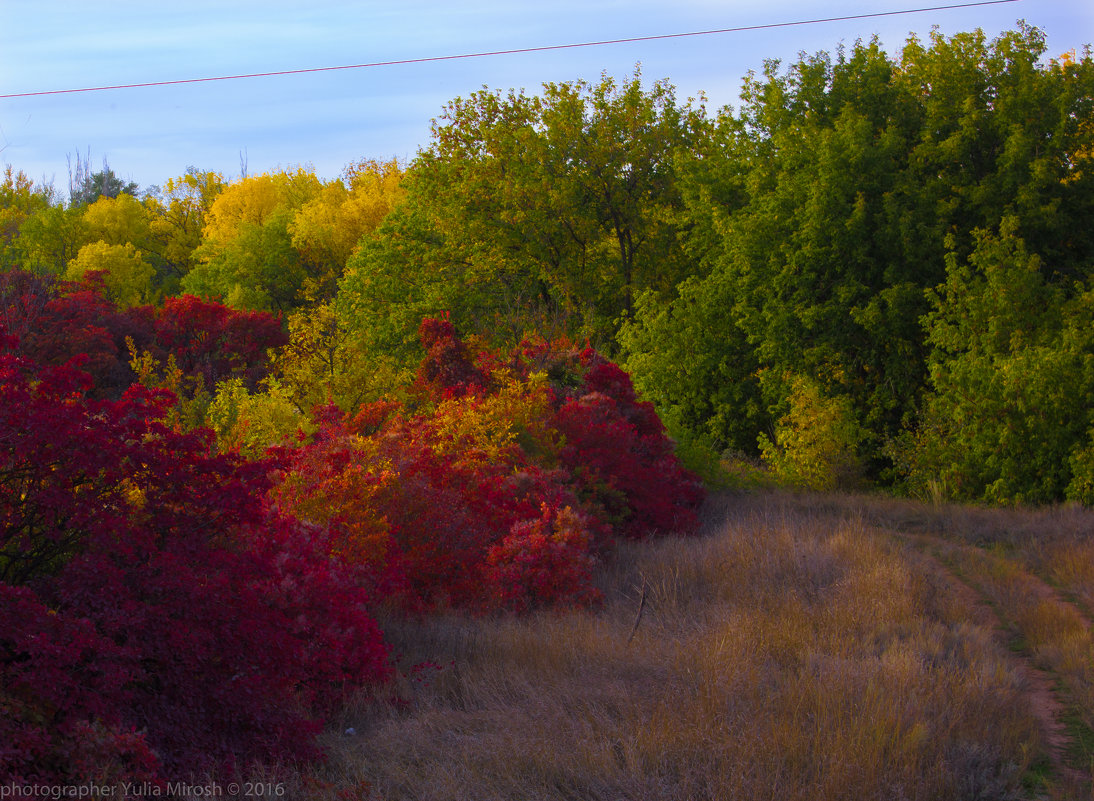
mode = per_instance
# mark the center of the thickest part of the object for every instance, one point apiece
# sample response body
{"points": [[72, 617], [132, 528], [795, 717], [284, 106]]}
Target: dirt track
{"points": [[1065, 781]]}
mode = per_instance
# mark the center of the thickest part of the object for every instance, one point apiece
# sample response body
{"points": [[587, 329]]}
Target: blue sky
{"points": [[330, 119]]}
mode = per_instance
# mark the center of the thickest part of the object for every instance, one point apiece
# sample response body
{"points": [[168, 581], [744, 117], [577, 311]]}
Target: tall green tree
{"points": [[843, 186], [85, 186], [538, 214]]}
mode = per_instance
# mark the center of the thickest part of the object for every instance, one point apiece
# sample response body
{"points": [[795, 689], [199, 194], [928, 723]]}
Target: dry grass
{"points": [[1035, 566], [784, 654]]}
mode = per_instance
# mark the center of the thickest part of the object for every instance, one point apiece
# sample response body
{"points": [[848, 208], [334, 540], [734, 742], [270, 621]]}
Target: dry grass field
{"points": [[802, 647]]}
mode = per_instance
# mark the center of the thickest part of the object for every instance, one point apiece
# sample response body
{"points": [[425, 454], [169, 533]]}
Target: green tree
{"points": [[1081, 486], [842, 185], [539, 214], [696, 365], [613, 148], [401, 275], [49, 239], [20, 200], [85, 187], [1011, 379]]}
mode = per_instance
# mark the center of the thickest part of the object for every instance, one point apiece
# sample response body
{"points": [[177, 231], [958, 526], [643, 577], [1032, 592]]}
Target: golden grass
{"points": [[1070, 564], [783, 654], [1035, 565], [1052, 629]]}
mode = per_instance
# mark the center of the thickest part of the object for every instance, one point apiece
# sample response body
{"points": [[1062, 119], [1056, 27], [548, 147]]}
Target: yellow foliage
{"points": [[278, 240], [126, 276], [254, 199], [252, 422], [375, 189], [323, 362], [488, 429], [118, 220], [328, 228], [192, 398], [177, 226], [816, 441], [20, 199]]}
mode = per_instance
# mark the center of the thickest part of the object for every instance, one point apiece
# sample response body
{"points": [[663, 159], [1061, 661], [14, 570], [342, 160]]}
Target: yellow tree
{"points": [[178, 220], [251, 422], [246, 256], [816, 440], [127, 278], [118, 221], [327, 229], [325, 362]]}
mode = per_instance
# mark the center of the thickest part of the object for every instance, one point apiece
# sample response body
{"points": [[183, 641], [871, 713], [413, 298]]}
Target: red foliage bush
{"points": [[419, 520], [149, 584], [446, 512], [417, 509], [216, 628], [325, 608], [215, 341], [60, 683], [544, 561], [160, 616], [448, 369], [57, 320], [239, 649], [634, 477], [616, 449]]}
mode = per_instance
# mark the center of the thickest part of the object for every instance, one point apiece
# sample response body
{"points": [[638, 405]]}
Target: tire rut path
{"points": [[1046, 704]]}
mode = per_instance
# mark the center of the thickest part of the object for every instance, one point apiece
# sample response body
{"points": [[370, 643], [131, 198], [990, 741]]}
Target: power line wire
{"points": [[514, 51]]}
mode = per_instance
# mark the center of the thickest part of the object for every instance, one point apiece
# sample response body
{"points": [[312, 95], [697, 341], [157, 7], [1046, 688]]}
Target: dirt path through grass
{"points": [[799, 648], [1050, 707]]}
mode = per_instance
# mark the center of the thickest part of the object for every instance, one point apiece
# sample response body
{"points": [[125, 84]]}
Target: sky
{"points": [[327, 120]]}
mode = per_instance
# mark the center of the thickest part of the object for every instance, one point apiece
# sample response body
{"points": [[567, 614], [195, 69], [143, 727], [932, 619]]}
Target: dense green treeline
{"points": [[858, 188], [878, 268], [882, 203]]}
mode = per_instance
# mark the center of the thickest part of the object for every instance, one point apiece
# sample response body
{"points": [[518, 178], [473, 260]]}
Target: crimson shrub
{"points": [[216, 628]]}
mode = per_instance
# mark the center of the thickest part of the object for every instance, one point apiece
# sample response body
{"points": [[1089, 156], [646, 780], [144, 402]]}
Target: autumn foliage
{"points": [[878, 270], [173, 604], [169, 607], [156, 616], [498, 485], [208, 341]]}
